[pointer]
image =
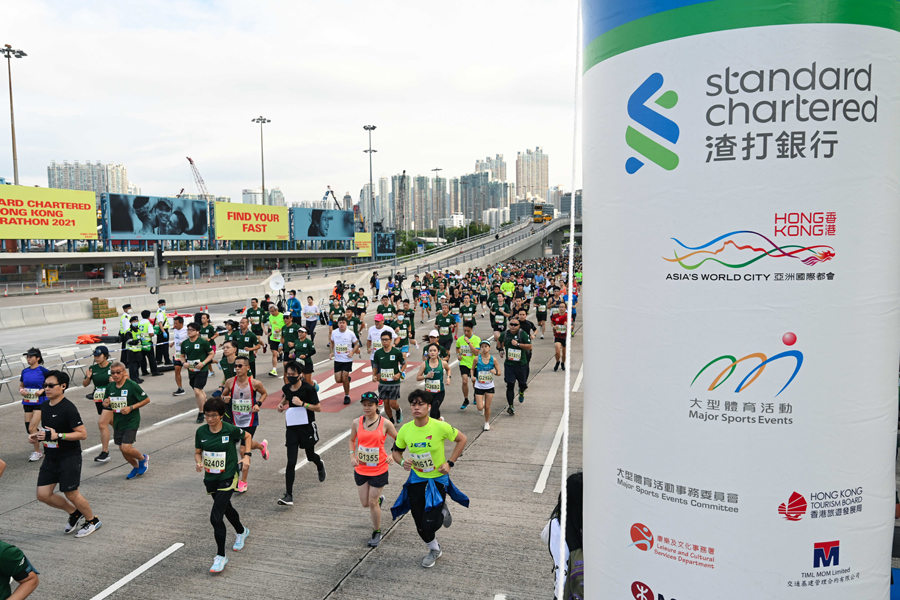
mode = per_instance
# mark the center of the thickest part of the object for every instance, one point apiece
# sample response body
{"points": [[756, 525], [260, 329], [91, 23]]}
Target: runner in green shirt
{"points": [[255, 314], [405, 328], [467, 348], [304, 350], [125, 399], [433, 372], [444, 323], [540, 307], [15, 565], [215, 456], [289, 336], [247, 344], [386, 308], [467, 310], [198, 354], [354, 323], [98, 376], [500, 312], [335, 312], [388, 366]]}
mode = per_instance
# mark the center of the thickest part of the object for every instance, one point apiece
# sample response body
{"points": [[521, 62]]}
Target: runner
{"points": [[362, 304], [292, 307], [197, 355], [15, 566], [248, 343], [208, 333], [425, 492], [344, 344], [466, 351], [386, 309], [334, 312], [302, 403], [31, 388], [424, 303], [432, 338], [444, 323], [485, 370], [246, 396], [500, 312], [405, 330], [373, 337], [370, 460], [98, 376], [276, 325], [311, 317], [61, 431], [255, 314], [354, 323], [514, 344], [433, 372], [178, 336], [388, 366], [559, 336], [540, 307], [228, 364], [125, 398], [530, 328], [304, 350], [467, 310], [215, 457]]}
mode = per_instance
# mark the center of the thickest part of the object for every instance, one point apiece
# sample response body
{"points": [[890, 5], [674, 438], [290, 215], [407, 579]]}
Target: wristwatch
{"points": [[451, 463]]}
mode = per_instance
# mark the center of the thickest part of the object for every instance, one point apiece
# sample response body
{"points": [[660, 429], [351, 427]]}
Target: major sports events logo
{"points": [[641, 537], [656, 123], [794, 508], [789, 339], [739, 249], [826, 554]]}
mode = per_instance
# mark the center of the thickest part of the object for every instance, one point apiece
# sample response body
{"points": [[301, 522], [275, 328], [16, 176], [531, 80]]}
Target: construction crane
{"points": [[336, 203], [178, 195], [205, 195]]}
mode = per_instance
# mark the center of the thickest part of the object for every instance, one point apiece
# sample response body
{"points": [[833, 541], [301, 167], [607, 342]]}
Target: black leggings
{"points": [[426, 522], [222, 508], [311, 329], [436, 400], [292, 451]]}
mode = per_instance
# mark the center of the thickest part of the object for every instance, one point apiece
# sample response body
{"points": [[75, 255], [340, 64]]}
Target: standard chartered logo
{"points": [[662, 126]]}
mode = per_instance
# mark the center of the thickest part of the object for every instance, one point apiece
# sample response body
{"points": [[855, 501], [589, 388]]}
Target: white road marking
{"points": [[149, 429], [548, 464], [578, 379], [146, 566], [327, 446], [499, 596]]}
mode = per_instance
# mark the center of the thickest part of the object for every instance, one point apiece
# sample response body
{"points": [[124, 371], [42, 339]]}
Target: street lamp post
{"points": [[371, 200], [261, 120], [11, 53], [437, 223]]}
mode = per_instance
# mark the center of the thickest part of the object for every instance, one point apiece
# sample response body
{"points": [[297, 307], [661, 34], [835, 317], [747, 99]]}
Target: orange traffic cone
{"points": [[71, 288], [104, 328], [6, 292], [120, 285], [37, 291]]}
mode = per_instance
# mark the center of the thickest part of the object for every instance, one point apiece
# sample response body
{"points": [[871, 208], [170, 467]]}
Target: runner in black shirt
{"points": [[302, 403], [60, 431]]}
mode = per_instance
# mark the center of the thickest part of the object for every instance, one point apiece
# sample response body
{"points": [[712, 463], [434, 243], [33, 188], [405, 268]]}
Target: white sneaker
{"points": [[35, 456], [88, 529], [218, 564], [487, 426]]}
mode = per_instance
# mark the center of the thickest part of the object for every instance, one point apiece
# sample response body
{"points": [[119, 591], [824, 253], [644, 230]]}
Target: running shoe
{"points": [[102, 457], [563, 366], [317, 387], [239, 540], [200, 417], [265, 348], [89, 396], [218, 564], [381, 402], [286, 500], [265, 449], [321, 469], [241, 487], [178, 392], [487, 427], [380, 500], [399, 416], [464, 404], [542, 336], [376, 538], [448, 518], [89, 528], [510, 410], [273, 373], [556, 366], [431, 557], [35, 456], [75, 519], [521, 397], [346, 400], [133, 473]]}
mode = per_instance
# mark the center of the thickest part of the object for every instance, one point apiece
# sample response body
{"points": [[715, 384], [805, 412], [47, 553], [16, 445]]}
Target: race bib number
{"points": [[213, 462], [275, 336], [117, 403], [179, 357], [352, 304], [422, 462], [194, 365], [205, 336], [254, 320], [242, 405], [444, 331], [244, 352], [500, 318], [368, 456], [454, 310], [465, 350], [49, 444], [554, 311], [559, 328], [485, 377], [514, 354], [387, 374], [31, 395], [341, 348], [433, 385], [99, 394]]}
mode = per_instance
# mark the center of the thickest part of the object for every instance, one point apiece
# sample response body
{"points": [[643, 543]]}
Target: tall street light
{"points": [[436, 222], [10, 53], [371, 201], [261, 120]]}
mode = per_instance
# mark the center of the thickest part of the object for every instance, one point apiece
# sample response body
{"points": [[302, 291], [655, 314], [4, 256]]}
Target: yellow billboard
{"points": [[363, 244], [251, 222], [41, 213]]}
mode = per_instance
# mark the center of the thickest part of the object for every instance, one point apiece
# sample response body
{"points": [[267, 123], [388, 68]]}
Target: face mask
{"points": [[399, 317], [134, 326], [293, 380]]}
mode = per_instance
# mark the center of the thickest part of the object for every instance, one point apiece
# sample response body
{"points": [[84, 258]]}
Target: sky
{"points": [[148, 83]]}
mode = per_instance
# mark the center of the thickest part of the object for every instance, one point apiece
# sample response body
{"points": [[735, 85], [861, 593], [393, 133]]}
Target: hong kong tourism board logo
{"points": [[655, 123]]}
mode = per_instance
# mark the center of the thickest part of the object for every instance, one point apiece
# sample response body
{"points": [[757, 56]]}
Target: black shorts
{"points": [[124, 436], [30, 408], [343, 366], [198, 379], [482, 298], [446, 344], [221, 485], [542, 317], [560, 340], [99, 406], [464, 370], [388, 392], [64, 470], [252, 431], [273, 345], [304, 436], [498, 327], [479, 392], [177, 363], [375, 481], [516, 373]]}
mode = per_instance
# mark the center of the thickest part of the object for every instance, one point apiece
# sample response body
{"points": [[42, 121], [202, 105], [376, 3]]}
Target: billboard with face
{"points": [[318, 224], [156, 218]]}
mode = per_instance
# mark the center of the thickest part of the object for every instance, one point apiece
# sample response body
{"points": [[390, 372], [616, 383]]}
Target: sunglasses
{"points": [[47, 386]]}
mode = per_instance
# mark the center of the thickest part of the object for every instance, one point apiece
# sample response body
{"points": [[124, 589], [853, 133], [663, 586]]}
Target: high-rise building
{"points": [[479, 192], [252, 196], [565, 204], [497, 167], [276, 197], [495, 217], [532, 174], [553, 196], [454, 196], [96, 177], [348, 201], [199, 197], [385, 215], [421, 199], [439, 207], [402, 194], [521, 210]]}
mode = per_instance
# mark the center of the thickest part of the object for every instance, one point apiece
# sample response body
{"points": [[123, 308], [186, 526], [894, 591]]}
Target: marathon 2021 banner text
{"points": [[41, 213]]}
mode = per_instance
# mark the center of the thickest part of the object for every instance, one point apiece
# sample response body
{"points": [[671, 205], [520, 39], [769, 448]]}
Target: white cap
{"points": [[433, 333]]}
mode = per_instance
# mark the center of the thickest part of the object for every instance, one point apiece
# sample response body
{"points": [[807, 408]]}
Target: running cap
{"points": [[303, 329], [33, 352], [369, 397], [379, 317], [352, 285], [433, 333], [486, 343], [99, 350]]}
